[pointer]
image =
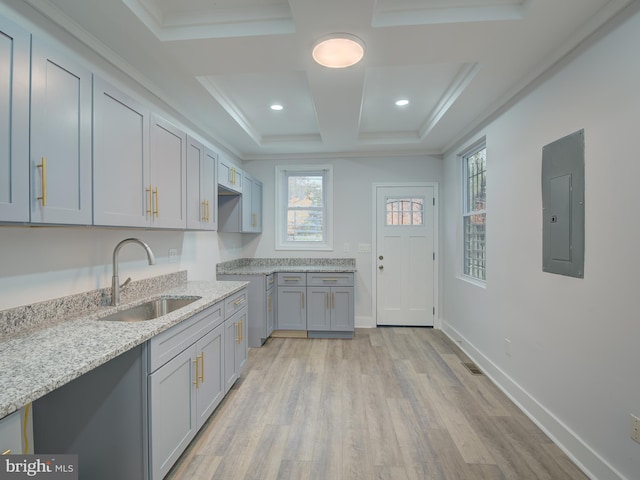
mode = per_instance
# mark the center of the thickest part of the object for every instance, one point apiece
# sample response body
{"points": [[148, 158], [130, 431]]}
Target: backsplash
{"points": [[270, 262], [51, 311]]}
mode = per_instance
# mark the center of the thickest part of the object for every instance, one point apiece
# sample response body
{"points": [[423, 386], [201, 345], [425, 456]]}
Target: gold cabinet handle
{"points": [[157, 202], [43, 178], [202, 367], [208, 212], [271, 304], [239, 301], [326, 299], [238, 333], [255, 219], [7, 452], [150, 204], [196, 383], [204, 211], [241, 330]]}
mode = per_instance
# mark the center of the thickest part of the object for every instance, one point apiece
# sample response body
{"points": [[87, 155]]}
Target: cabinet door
{"points": [[14, 123], [270, 312], [242, 349], [11, 434], [292, 313], [230, 176], [247, 216], [60, 138], [342, 313], [256, 206], [168, 185], [319, 308], [173, 422], [210, 371], [202, 206], [121, 159], [231, 336], [209, 182], [251, 205], [196, 206]]}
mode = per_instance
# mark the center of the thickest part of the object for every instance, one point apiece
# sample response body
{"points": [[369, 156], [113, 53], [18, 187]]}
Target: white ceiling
{"points": [[222, 63]]}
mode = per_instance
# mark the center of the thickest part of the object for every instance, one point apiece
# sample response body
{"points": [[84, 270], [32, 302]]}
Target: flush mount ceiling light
{"points": [[338, 50], [402, 102], [277, 107]]}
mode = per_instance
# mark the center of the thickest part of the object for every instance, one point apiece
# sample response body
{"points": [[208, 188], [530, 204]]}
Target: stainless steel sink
{"points": [[150, 310]]}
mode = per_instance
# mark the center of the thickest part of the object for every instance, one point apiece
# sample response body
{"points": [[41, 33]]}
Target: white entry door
{"points": [[405, 227]]}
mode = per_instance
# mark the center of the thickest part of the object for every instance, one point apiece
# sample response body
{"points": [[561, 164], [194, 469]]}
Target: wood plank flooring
{"points": [[392, 403]]}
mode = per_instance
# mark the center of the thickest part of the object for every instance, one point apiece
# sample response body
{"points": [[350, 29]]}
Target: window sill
{"points": [[473, 281]]}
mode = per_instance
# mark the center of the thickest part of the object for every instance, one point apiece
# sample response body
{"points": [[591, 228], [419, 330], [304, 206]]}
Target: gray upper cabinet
{"points": [[121, 159], [140, 166], [60, 138], [202, 198], [230, 177], [167, 190], [251, 205], [14, 123]]}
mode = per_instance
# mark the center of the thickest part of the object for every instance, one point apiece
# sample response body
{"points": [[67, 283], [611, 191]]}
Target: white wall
{"points": [[575, 343], [353, 211]]}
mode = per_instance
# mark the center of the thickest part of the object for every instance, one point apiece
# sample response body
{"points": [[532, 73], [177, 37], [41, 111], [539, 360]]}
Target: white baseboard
{"points": [[592, 464], [365, 322]]}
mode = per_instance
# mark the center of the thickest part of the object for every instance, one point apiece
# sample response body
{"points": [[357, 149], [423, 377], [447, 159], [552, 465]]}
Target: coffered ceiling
{"points": [[222, 63]]}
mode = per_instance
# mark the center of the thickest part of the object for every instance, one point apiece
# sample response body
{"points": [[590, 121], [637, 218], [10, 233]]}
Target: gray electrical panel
{"points": [[563, 206]]}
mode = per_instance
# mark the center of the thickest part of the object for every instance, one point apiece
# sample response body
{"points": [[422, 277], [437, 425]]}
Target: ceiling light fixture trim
{"points": [[338, 50]]}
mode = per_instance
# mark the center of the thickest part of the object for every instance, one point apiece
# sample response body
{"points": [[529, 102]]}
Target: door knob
{"points": [[380, 257], [381, 267]]}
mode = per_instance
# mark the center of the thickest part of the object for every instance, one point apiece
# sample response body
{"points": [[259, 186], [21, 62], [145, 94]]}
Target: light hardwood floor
{"points": [[393, 403]]}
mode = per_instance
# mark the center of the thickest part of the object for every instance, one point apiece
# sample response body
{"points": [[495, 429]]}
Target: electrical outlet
{"points": [[173, 255], [364, 248], [635, 428], [507, 347]]}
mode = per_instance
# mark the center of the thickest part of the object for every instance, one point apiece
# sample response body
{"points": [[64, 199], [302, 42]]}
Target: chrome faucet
{"points": [[115, 282]]}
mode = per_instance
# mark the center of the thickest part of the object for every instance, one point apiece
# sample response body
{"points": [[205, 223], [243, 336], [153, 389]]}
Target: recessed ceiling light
{"points": [[277, 107], [403, 102], [338, 50]]}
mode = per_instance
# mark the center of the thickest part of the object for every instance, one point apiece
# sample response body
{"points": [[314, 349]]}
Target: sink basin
{"points": [[150, 310]]}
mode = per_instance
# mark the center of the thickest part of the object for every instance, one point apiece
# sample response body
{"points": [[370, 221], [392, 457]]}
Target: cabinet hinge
{"points": [[434, 201], [434, 310], [434, 255]]}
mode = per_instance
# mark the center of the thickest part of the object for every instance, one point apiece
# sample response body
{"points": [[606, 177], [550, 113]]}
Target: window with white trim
{"points": [[304, 207], [474, 213]]}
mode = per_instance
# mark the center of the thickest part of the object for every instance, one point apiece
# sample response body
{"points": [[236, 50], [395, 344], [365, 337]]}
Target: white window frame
{"points": [[467, 213], [281, 197]]}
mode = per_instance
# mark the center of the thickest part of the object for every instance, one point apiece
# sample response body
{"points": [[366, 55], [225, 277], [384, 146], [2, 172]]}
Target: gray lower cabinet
{"points": [[236, 350], [260, 323], [292, 308], [186, 384], [330, 310], [320, 303]]}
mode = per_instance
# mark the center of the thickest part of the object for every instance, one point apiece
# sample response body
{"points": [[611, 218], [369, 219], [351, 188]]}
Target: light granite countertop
{"points": [[38, 359], [267, 266]]}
